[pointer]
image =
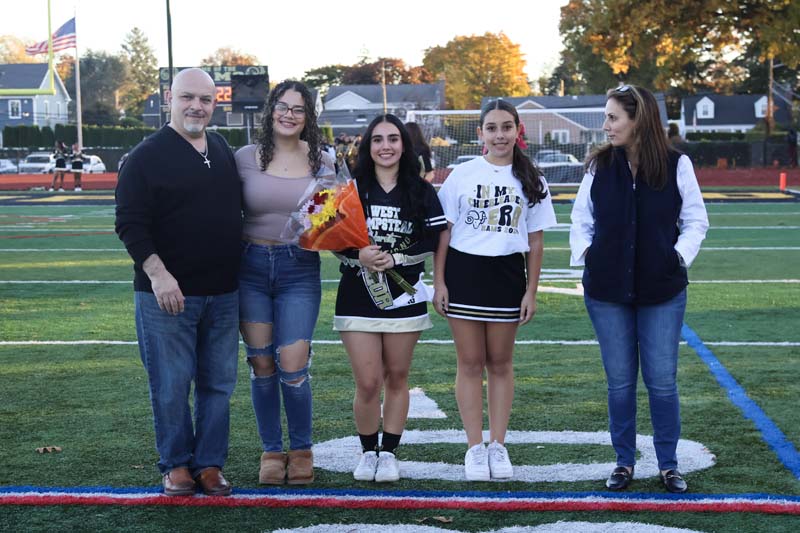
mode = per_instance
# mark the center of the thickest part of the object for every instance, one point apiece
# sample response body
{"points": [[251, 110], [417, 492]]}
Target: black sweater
{"points": [[171, 204]]}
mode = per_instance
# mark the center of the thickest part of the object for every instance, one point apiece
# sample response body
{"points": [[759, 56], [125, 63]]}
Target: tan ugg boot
{"points": [[273, 468], [301, 467]]}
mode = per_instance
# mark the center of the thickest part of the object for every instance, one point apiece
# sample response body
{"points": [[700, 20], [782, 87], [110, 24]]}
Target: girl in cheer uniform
{"points": [[378, 321], [496, 208]]}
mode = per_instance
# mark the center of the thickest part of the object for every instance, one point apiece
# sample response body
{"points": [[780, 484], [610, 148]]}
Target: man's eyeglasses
{"points": [[283, 108]]}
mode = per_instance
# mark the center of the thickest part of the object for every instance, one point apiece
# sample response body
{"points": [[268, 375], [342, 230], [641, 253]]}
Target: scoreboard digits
{"points": [[224, 94]]}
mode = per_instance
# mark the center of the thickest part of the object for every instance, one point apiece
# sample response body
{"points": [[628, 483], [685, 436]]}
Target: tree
{"points": [[477, 66], [142, 78], [394, 71], [102, 77], [12, 50], [65, 66], [229, 56], [366, 73], [323, 78], [678, 44]]}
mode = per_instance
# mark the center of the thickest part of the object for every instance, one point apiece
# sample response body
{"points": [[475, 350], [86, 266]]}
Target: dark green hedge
{"points": [[94, 136], [753, 135], [33, 137]]}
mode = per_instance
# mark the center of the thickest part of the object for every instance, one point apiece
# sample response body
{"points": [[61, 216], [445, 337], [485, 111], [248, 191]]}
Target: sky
{"points": [[293, 37]]}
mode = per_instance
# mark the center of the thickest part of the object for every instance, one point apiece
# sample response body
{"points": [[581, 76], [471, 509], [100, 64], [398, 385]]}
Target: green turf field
{"points": [[64, 276]]}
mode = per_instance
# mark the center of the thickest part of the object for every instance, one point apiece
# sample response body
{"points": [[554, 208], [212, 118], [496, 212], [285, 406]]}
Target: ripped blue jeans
{"points": [[280, 285]]}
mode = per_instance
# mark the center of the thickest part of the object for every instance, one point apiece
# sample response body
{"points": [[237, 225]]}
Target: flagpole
{"points": [[78, 87], [50, 50]]}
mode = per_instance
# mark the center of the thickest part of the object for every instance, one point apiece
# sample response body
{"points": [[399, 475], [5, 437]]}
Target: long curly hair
{"points": [[411, 185], [522, 167], [649, 137], [310, 134]]}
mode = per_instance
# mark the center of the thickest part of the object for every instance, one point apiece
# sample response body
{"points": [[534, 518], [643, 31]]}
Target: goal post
{"points": [[558, 140]]}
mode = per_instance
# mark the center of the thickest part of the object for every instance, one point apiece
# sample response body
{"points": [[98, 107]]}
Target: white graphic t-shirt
{"points": [[489, 211]]}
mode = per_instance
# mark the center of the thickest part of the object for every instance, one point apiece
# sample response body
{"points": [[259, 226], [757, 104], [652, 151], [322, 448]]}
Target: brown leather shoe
{"points": [[178, 482], [300, 470], [212, 482], [273, 468]]}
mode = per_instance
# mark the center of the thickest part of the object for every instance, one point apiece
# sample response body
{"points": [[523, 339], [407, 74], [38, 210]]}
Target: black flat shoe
{"points": [[619, 479], [674, 482]]}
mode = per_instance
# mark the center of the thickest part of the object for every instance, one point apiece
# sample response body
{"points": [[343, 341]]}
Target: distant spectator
{"points": [[77, 166], [60, 154], [674, 135], [422, 149], [791, 139]]}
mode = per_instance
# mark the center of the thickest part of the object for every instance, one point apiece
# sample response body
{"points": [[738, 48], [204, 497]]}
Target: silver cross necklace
{"points": [[204, 155]]}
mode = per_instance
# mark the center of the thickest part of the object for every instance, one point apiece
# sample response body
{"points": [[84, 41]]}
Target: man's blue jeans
{"points": [[201, 344], [648, 334]]}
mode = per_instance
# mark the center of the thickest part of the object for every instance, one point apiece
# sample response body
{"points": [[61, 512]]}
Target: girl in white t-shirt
{"points": [[497, 207]]}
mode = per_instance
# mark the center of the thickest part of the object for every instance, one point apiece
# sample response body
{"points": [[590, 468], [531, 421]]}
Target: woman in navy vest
{"points": [[637, 225]]}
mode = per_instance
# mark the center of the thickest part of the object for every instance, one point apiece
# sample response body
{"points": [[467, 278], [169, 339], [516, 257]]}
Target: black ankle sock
{"points": [[390, 442], [369, 443]]}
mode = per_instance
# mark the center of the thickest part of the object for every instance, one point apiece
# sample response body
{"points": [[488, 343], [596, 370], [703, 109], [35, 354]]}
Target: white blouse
{"points": [[692, 220]]}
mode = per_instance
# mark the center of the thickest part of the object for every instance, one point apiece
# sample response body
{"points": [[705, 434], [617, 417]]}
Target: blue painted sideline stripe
{"points": [[770, 432]]}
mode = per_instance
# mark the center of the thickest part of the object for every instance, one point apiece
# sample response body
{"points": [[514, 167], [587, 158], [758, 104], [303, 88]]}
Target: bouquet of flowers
{"points": [[330, 217]]}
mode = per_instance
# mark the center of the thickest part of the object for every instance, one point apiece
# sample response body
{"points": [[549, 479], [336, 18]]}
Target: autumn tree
{"points": [[12, 50], [476, 66], [323, 78], [230, 57], [103, 75], [394, 71], [142, 70], [681, 44]]}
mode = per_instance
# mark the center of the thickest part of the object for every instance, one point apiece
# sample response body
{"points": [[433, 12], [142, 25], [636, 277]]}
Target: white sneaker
{"points": [[61, 189], [78, 189], [365, 471], [51, 189], [388, 468], [499, 463], [476, 464]]}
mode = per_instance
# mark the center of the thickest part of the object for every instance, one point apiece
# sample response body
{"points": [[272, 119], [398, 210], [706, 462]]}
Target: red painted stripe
{"points": [[718, 506]]}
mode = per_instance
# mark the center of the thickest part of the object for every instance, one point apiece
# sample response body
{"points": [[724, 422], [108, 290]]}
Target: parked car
{"points": [[461, 159], [554, 160], [561, 168], [92, 164], [38, 163], [541, 154], [7, 167]]}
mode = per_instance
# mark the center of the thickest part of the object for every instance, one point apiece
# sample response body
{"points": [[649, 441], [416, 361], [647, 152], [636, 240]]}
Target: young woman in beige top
{"points": [[279, 283]]}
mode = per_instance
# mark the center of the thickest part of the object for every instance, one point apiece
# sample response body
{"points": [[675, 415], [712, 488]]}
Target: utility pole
{"points": [[768, 118], [169, 44], [770, 100], [383, 85]]}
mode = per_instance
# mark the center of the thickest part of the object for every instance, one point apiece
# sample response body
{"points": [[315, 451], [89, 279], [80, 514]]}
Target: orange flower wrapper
{"points": [[347, 228], [329, 215]]}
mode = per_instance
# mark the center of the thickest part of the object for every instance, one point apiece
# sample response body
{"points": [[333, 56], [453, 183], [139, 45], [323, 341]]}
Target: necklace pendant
{"points": [[207, 162]]}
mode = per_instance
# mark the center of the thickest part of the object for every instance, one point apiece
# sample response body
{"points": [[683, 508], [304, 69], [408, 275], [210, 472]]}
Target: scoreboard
{"points": [[221, 74]]}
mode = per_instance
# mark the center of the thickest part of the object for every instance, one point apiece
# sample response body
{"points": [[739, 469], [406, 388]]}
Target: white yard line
{"points": [[552, 280], [712, 227], [546, 249], [63, 250], [777, 344], [14, 229]]}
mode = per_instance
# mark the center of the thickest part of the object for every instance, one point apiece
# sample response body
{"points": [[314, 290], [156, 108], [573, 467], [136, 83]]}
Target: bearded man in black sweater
{"points": [[179, 215]]}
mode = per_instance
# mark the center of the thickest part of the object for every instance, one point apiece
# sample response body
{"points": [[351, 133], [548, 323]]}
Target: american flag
{"points": [[63, 38]]}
